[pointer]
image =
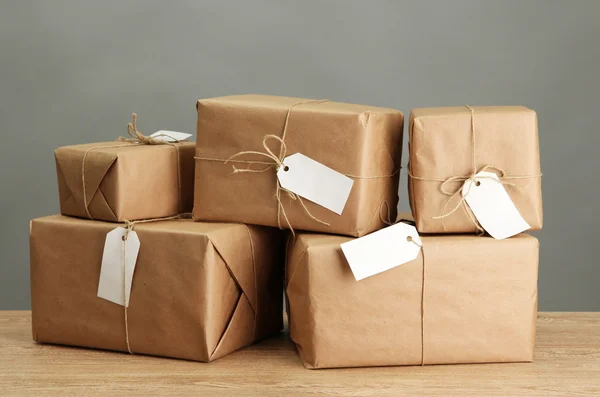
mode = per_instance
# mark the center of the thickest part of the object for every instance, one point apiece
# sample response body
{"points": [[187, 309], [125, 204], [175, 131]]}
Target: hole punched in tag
{"points": [[382, 250], [477, 183], [410, 239], [286, 168]]}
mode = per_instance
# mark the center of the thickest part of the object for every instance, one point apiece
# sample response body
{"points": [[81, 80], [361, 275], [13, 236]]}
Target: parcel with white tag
{"points": [[462, 299], [244, 141], [198, 291], [117, 181], [448, 146]]}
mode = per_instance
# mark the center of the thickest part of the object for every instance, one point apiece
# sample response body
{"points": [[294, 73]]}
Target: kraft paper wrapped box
{"points": [[117, 181], [200, 290], [362, 142], [456, 142], [464, 299]]}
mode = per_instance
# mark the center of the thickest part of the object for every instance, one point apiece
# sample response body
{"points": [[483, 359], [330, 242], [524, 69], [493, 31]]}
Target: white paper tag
{"points": [[111, 282], [170, 136], [382, 250], [493, 207], [315, 182]]}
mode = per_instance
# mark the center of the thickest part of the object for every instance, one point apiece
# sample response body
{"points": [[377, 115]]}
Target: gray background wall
{"points": [[73, 71]]}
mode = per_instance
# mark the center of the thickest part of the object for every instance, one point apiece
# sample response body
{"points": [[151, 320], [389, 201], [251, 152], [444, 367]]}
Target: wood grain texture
{"points": [[567, 363]]}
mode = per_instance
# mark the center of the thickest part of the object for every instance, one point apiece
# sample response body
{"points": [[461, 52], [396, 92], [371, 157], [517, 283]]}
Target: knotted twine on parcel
{"points": [[464, 299], [451, 143], [361, 142], [127, 179], [199, 291]]}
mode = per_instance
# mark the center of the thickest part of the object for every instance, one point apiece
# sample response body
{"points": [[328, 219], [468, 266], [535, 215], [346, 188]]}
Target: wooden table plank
{"points": [[567, 363]]}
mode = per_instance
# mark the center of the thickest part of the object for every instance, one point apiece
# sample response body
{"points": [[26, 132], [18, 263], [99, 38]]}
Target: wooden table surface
{"points": [[567, 363]]}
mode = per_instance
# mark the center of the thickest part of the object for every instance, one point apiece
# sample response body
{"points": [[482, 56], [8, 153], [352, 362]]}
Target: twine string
{"points": [[129, 225], [423, 308], [422, 249], [387, 220], [125, 300]]}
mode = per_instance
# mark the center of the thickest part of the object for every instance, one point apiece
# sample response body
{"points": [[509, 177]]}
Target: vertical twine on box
{"points": [[422, 307], [129, 225], [471, 179], [125, 300], [411, 240], [135, 138]]}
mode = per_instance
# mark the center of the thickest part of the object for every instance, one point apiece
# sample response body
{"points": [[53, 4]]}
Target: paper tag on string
{"points": [[170, 136], [382, 250], [315, 182], [111, 282], [492, 206]]}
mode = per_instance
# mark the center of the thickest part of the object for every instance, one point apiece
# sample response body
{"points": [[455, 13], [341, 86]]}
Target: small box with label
{"points": [[294, 163], [132, 178], [424, 300], [194, 290], [475, 168]]}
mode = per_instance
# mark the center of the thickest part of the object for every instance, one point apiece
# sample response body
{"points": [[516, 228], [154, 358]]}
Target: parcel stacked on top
{"points": [[255, 134]]}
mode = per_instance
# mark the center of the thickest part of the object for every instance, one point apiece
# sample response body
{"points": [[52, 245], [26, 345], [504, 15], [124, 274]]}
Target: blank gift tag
{"points": [[170, 136], [493, 207], [111, 282], [382, 250], [315, 182]]}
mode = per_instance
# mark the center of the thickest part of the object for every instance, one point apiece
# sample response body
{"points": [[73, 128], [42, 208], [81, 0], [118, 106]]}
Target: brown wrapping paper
{"points": [[441, 147], [125, 181], [357, 140], [196, 292], [470, 299]]}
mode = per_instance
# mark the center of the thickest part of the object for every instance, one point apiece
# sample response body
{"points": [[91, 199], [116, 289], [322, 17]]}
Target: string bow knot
{"points": [[136, 136], [470, 181], [275, 162]]}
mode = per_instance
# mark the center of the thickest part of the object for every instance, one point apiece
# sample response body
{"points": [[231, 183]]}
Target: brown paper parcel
{"points": [[469, 299], [125, 181], [441, 147], [362, 142], [197, 293]]}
